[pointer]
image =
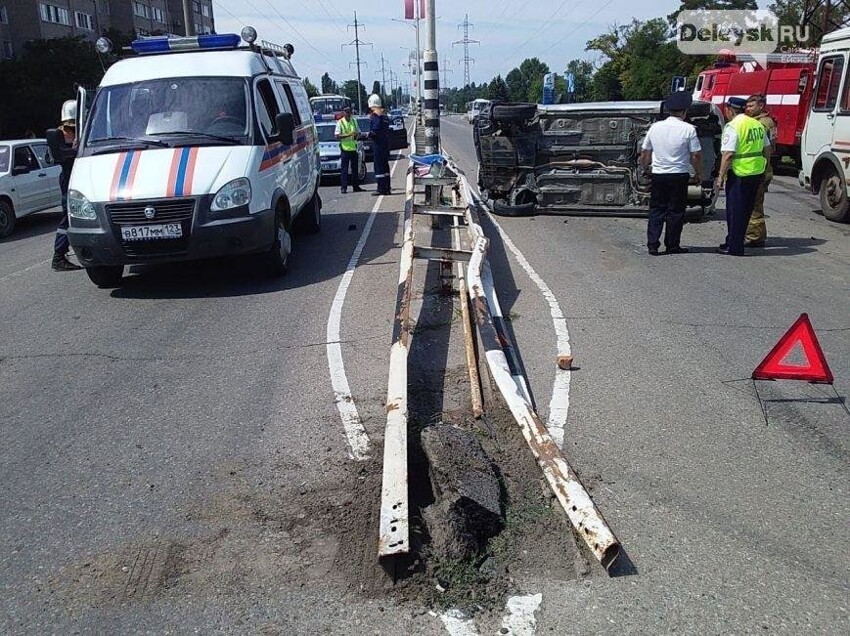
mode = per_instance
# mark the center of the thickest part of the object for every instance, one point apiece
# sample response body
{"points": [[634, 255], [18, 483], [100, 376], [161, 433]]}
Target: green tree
{"points": [[329, 87], [34, 85], [497, 90], [792, 12], [349, 89], [525, 83], [582, 71], [311, 89]]}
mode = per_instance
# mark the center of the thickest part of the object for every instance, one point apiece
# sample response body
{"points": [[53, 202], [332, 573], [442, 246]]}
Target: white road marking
{"points": [[358, 441], [24, 271], [559, 405], [520, 620]]}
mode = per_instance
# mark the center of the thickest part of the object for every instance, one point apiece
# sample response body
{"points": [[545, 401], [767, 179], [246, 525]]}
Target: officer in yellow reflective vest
{"points": [[347, 132], [744, 148]]}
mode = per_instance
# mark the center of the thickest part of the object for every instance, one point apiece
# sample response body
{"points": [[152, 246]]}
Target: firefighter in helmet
{"points": [[757, 230], [62, 142]]}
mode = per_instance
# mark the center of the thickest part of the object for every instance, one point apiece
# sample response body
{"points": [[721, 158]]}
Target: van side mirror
{"points": [[285, 128]]}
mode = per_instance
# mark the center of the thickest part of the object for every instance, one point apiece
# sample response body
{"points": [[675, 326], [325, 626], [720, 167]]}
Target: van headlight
{"points": [[232, 195], [79, 207]]}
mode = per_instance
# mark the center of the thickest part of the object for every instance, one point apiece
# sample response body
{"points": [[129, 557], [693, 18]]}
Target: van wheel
{"points": [[106, 276], [310, 219], [276, 260], [7, 219], [833, 197], [519, 111]]}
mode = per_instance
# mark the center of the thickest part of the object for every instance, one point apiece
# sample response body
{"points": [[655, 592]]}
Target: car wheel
{"points": [[513, 112], [503, 208], [275, 262], [833, 197], [361, 173], [7, 219], [106, 276]]}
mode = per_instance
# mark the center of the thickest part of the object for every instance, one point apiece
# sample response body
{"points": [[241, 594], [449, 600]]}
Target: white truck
{"points": [[826, 137], [29, 181]]}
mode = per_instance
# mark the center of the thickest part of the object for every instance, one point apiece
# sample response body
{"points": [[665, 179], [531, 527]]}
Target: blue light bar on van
{"points": [[164, 44]]}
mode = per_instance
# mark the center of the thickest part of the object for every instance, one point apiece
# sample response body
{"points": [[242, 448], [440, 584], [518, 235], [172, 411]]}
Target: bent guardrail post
{"points": [[563, 481], [394, 533]]}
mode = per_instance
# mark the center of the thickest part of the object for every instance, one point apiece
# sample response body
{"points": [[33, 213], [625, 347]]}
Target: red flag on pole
{"points": [[409, 7], [815, 369]]}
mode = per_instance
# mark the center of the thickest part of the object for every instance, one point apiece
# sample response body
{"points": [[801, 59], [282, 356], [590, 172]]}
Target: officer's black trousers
{"points": [[667, 201], [349, 158], [740, 198]]}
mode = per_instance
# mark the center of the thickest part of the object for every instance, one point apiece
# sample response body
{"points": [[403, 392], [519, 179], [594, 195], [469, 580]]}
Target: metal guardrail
{"points": [[479, 290]]}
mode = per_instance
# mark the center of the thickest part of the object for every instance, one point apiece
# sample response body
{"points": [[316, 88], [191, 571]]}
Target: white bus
{"points": [[473, 108]]}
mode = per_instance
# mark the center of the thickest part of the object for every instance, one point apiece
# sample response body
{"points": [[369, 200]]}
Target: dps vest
{"points": [[749, 153], [346, 128]]}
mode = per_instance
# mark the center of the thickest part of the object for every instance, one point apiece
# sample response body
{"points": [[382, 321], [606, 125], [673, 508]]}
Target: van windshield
{"points": [[176, 112]]}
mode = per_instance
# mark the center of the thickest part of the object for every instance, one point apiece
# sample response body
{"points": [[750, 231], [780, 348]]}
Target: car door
{"points": [[27, 180], [51, 195], [306, 162], [821, 127], [275, 171]]}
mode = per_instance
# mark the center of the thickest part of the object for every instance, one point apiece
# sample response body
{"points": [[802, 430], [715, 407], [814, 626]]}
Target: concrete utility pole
{"points": [[466, 42], [432, 84], [356, 43], [188, 18]]}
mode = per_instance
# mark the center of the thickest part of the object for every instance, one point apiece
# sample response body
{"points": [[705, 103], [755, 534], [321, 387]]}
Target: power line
{"points": [[296, 31], [588, 19], [544, 26], [466, 42], [356, 43], [445, 71], [333, 19]]}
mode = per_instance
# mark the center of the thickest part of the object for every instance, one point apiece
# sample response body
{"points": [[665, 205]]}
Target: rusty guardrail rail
{"points": [[478, 289]]}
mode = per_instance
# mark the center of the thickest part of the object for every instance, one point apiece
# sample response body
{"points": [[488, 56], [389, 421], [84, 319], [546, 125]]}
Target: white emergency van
{"points": [[193, 148], [826, 137]]}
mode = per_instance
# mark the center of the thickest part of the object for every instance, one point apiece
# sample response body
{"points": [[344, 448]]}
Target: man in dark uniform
{"points": [[62, 142], [672, 146], [379, 132]]}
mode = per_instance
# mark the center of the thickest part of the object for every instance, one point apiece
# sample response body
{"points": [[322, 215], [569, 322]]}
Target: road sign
{"points": [[815, 369], [549, 88], [679, 83]]}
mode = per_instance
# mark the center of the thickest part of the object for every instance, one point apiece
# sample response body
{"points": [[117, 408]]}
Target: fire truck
{"points": [[785, 79]]}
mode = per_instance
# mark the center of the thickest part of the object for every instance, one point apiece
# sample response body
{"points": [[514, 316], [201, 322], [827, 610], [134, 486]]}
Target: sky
{"points": [[509, 31]]}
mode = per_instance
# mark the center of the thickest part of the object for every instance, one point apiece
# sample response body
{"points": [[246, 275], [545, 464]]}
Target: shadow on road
{"points": [[33, 225], [314, 258]]}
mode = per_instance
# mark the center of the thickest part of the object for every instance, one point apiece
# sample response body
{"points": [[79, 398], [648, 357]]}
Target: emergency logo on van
{"points": [[125, 175], [182, 172], [275, 153]]}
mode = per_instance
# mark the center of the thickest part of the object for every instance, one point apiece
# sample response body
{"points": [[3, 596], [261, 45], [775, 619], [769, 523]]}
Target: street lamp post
{"points": [[418, 73]]}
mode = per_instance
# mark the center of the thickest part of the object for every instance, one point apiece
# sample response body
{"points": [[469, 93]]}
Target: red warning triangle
{"points": [[815, 368]]}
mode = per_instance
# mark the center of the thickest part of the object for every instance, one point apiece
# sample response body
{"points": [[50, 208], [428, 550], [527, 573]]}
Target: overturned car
{"points": [[581, 159]]}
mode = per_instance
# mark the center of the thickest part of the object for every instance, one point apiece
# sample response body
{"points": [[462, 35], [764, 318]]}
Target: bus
{"points": [[473, 108], [328, 106]]}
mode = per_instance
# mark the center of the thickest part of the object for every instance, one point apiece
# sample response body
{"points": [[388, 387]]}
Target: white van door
{"points": [[276, 169], [303, 132], [820, 129]]}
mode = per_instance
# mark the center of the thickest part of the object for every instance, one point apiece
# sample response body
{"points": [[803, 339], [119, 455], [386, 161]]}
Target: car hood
{"points": [[328, 148]]}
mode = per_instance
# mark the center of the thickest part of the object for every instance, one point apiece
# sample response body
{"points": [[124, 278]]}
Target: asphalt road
{"points": [[173, 458], [731, 524]]}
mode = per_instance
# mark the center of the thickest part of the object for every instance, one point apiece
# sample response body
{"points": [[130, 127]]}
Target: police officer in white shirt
{"points": [[672, 146]]}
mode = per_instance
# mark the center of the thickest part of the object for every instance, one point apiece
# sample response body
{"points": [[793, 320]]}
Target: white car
{"points": [[29, 181], [330, 154]]}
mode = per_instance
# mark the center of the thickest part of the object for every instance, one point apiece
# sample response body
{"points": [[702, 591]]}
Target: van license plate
{"points": [[151, 232]]}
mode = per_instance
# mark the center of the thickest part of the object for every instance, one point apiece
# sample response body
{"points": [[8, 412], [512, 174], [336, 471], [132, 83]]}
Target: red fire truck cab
{"points": [[784, 78]]}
